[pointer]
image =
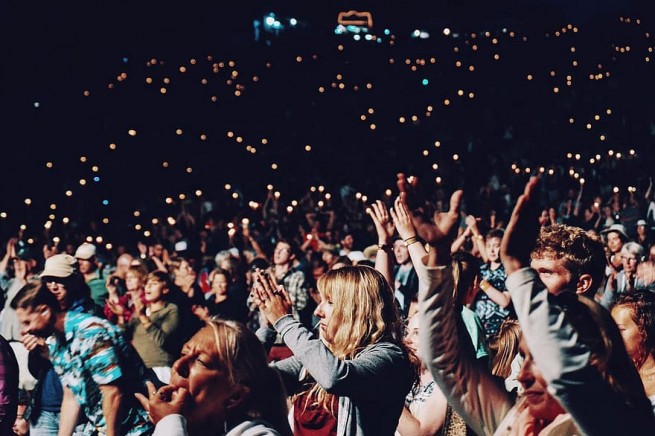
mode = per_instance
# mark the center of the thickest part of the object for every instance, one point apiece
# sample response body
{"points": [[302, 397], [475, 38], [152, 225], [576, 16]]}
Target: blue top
{"points": [[92, 352]]}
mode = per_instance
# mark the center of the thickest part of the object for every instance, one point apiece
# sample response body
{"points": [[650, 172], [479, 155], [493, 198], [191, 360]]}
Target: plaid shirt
{"points": [[297, 287]]}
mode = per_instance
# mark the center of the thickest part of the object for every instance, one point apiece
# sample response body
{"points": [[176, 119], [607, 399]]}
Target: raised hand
{"points": [[472, 223], [410, 193], [383, 224], [402, 220], [522, 229], [271, 299], [441, 229]]}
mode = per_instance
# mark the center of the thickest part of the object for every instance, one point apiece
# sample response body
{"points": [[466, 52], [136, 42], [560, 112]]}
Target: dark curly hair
{"points": [[641, 305]]}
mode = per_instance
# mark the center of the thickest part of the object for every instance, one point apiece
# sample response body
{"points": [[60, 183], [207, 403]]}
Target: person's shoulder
{"points": [[169, 308], [385, 347], [86, 323], [257, 427]]}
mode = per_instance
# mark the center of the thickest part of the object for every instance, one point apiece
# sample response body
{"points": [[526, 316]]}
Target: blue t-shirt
{"points": [[51, 392]]}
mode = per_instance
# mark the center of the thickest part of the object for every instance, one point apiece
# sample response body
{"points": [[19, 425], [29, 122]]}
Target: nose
{"points": [[318, 312], [181, 366], [525, 376]]}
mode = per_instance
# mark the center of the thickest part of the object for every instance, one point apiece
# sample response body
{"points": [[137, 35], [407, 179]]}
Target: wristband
{"points": [[410, 241], [479, 237], [384, 247]]}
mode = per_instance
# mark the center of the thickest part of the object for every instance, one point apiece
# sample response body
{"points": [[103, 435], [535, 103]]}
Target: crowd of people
{"points": [[410, 317]]}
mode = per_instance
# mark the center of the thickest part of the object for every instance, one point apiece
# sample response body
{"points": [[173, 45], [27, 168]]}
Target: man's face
{"points": [[614, 242], [85, 265], [158, 250], [282, 254], [553, 274], [401, 252], [348, 241], [38, 321]]}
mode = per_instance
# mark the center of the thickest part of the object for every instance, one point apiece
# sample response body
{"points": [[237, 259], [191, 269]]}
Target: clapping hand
{"points": [[402, 220], [271, 298], [383, 224], [115, 307]]}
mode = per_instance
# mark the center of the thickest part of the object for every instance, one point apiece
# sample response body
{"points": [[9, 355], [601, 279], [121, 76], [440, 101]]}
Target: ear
{"points": [[585, 282], [240, 394]]}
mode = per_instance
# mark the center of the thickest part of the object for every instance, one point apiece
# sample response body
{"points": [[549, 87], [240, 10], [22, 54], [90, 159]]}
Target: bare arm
{"points": [[501, 298], [458, 243], [478, 239], [429, 420], [385, 229], [112, 398], [649, 191], [578, 201], [70, 410]]}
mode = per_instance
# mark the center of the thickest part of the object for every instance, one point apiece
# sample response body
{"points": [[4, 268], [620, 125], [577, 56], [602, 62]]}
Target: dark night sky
{"points": [[54, 50]]}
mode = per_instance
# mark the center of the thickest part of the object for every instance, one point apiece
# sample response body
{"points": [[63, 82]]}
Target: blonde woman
{"points": [[221, 385], [351, 378], [507, 359]]}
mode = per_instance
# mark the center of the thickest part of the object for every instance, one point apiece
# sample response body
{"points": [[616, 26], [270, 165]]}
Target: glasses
{"points": [[52, 284], [629, 259]]}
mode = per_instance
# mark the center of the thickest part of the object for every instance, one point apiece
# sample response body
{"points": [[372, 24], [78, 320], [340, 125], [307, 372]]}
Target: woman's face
{"points": [[198, 370], [411, 334], [132, 281], [328, 329], [541, 404], [629, 331], [493, 249], [629, 261], [219, 284], [59, 290]]}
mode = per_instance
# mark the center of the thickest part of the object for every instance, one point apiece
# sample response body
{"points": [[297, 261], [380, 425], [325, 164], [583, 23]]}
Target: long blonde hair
{"points": [[365, 313], [505, 347]]}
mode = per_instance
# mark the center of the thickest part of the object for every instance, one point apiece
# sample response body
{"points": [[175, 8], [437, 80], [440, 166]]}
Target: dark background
{"points": [[52, 52]]}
